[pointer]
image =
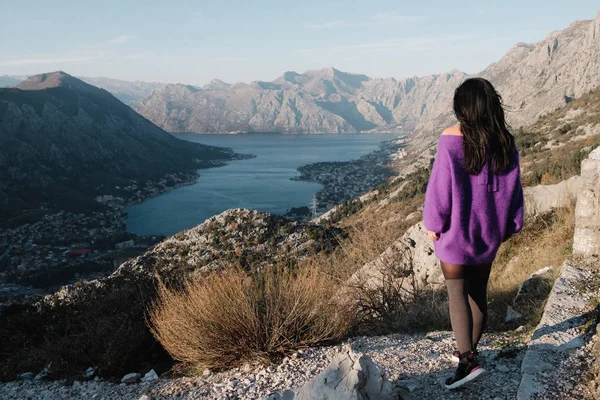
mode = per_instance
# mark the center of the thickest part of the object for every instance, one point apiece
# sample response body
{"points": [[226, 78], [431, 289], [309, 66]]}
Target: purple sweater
{"points": [[472, 213]]}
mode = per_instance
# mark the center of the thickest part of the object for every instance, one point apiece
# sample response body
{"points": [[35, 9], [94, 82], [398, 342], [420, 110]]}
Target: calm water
{"points": [[262, 183]]}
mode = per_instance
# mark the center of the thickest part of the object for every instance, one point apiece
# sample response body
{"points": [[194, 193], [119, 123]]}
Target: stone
{"points": [[535, 287], [89, 372], [27, 376], [542, 198], [410, 384], [150, 376], [131, 378], [410, 262], [43, 373], [206, 372], [349, 376], [586, 241], [513, 315], [502, 368]]}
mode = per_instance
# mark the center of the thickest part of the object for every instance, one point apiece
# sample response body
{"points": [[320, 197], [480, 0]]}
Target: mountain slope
{"points": [[63, 142], [533, 79]]}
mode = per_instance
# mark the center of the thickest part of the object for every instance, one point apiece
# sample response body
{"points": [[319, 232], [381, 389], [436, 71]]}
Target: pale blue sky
{"points": [[195, 41]]}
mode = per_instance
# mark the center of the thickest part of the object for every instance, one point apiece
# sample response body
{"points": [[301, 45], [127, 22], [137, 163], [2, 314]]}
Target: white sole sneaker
{"points": [[472, 376]]}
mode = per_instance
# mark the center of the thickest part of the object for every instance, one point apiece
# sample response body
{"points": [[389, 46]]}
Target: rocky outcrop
{"points": [[586, 241], [243, 237], [558, 332], [542, 198], [410, 261], [350, 376]]}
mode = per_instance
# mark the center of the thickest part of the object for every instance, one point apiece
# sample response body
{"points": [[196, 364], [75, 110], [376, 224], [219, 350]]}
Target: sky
{"points": [[193, 42]]}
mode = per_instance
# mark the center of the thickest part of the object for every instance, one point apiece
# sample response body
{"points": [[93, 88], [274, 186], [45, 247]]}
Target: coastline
{"points": [[346, 180]]}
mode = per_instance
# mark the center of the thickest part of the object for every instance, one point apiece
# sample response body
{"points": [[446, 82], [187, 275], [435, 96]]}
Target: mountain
{"points": [[126, 91], [317, 101], [6, 81], [63, 142], [533, 79]]}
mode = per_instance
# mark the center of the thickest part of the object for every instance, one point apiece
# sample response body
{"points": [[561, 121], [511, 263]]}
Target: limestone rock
{"points": [[542, 198], [349, 376], [513, 315], [150, 376], [586, 240], [557, 333], [535, 288], [131, 378], [411, 259]]}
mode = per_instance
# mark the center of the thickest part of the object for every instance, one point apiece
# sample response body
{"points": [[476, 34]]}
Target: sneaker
{"points": [[468, 369], [456, 356]]}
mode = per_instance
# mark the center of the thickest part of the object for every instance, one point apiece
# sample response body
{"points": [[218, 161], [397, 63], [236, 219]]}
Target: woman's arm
{"points": [[438, 197], [517, 206]]}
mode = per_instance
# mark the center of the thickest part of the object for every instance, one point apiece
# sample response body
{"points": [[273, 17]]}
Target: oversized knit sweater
{"points": [[473, 214]]}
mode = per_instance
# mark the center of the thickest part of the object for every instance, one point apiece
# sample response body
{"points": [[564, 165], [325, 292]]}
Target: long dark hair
{"points": [[486, 138]]}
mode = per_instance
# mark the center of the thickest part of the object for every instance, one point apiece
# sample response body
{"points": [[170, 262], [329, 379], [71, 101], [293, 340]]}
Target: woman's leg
{"points": [[460, 309], [477, 277]]}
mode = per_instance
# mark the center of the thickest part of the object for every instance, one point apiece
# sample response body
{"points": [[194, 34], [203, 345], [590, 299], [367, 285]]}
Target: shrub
{"points": [[234, 317], [387, 298]]}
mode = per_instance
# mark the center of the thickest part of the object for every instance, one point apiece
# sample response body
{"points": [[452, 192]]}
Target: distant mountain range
{"points": [[533, 79], [63, 142]]}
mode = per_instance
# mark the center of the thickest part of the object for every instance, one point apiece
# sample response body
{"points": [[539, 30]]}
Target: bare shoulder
{"points": [[452, 131]]}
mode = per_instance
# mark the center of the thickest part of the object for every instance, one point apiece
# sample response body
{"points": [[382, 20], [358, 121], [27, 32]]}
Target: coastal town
{"points": [[56, 247], [346, 180]]}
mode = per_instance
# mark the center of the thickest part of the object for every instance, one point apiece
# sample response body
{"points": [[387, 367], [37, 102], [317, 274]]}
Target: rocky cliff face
{"points": [[533, 79], [64, 141], [322, 101], [537, 78]]}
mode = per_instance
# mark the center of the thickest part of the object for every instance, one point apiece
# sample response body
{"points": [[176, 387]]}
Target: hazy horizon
{"points": [[242, 42]]}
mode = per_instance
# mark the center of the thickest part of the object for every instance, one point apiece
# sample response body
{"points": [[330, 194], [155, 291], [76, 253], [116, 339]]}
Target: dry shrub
{"points": [[387, 298], [234, 317]]}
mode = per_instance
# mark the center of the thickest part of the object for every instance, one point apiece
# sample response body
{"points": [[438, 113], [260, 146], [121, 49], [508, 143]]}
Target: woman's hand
{"points": [[433, 236]]}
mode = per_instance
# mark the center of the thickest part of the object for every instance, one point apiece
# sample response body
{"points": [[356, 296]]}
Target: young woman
{"points": [[474, 202]]}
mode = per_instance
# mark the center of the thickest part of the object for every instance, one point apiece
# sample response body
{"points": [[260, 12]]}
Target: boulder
{"points": [[542, 198], [535, 288], [586, 241], [349, 376], [410, 260], [150, 376]]}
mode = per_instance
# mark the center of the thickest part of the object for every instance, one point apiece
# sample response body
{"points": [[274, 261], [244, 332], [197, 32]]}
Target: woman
{"points": [[474, 202]]}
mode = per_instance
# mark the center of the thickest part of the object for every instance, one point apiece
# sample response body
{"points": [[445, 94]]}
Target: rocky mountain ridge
{"points": [[533, 79]]}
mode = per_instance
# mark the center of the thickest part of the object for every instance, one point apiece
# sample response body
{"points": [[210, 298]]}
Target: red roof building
{"points": [[74, 253]]}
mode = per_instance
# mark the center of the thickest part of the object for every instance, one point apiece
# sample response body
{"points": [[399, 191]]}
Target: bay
{"points": [[262, 183]]}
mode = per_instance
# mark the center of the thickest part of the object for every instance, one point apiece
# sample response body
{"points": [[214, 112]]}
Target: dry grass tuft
{"points": [[234, 317]]}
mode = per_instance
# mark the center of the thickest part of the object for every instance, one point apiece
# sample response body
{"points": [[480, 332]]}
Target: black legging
{"points": [[467, 296]]}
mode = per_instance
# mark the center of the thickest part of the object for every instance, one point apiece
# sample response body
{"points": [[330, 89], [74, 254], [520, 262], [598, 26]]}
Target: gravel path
{"points": [[417, 362]]}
